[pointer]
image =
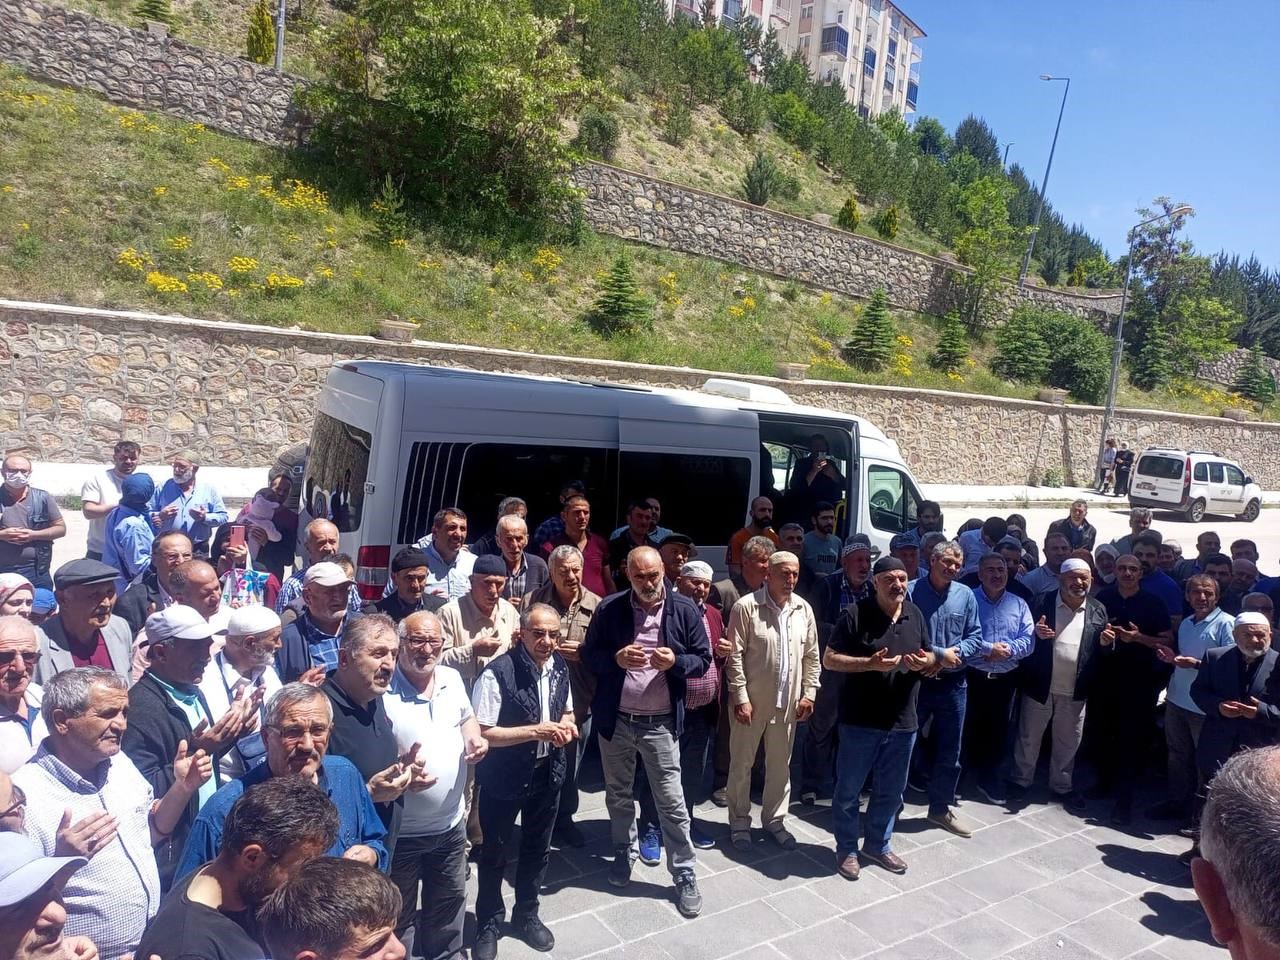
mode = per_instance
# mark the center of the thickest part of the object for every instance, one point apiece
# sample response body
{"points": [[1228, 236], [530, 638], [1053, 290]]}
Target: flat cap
{"points": [[78, 573]]}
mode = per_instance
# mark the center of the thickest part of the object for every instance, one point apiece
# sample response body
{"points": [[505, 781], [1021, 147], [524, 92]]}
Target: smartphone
{"points": [[236, 538]]}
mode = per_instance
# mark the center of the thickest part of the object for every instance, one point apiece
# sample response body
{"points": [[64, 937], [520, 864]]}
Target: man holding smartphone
{"points": [[816, 478]]}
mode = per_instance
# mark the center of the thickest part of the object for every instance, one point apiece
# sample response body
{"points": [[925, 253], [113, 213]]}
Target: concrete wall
{"points": [[233, 95], [74, 380], [133, 68]]}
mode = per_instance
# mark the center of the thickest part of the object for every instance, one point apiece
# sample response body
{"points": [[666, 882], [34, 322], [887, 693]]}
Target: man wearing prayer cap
{"points": [[244, 671], [1057, 678]]}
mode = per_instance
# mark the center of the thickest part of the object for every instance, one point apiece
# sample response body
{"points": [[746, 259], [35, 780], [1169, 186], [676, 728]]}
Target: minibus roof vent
{"points": [[742, 390]]}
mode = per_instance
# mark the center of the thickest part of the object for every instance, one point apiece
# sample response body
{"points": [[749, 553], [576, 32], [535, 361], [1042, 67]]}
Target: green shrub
{"points": [[794, 121], [1062, 350], [629, 85], [744, 107], [848, 218], [158, 10], [952, 349], [679, 122], [787, 186], [598, 133], [619, 307], [887, 222], [1053, 477], [1254, 381], [389, 211], [761, 179], [260, 42], [870, 345], [1051, 264], [1022, 355], [1077, 277]]}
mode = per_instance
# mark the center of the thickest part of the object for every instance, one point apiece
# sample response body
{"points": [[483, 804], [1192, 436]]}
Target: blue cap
{"points": [[44, 601], [902, 541]]}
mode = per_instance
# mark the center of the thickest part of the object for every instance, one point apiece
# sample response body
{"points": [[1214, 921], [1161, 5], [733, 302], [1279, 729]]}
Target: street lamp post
{"points": [[279, 61], [1044, 184], [1005, 160], [1183, 209]]}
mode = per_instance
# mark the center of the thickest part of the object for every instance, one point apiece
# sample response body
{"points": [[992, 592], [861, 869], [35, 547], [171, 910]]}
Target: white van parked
{"points": [[1194, 482], [393, 443]]}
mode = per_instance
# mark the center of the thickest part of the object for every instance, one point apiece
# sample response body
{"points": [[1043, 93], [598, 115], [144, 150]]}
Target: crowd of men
{"points": [[206, 758]]}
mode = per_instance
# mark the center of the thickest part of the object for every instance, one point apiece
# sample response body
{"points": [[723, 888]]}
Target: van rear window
{"points": [[1161, 467], [336, 472]]}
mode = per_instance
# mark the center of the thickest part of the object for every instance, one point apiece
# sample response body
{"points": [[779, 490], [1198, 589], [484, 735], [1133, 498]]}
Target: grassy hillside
{"points": [[103, 206]]}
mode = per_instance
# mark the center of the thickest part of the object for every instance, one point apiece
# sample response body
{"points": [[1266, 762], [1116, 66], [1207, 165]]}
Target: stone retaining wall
{"points": [[137, 69], [75, 380], [638, 207], [1225, 369], [230, 94]]}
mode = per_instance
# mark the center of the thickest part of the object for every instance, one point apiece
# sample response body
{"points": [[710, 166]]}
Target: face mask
{"points": [[16, 478], [183, 476]]}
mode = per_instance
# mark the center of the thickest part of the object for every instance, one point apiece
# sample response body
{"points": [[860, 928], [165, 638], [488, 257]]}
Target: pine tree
{"points": [[848, 217], [1022, 351], [761, 179], [1153, 366], [952, 350], [870, 346], [887, 223], [1254, 381], [158, 10], [260, 44], [619, 307]]}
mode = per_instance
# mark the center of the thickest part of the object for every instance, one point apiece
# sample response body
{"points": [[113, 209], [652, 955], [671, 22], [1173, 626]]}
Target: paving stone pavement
{"points": [[1031, 884]]}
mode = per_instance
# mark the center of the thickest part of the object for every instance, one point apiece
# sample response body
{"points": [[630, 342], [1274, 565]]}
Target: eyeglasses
{"points": [[318, 731], [541, 634], [19, 801], [29, 657], [423, 643]]}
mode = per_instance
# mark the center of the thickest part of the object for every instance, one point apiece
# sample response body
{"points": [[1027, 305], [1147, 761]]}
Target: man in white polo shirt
{"points": [[430, 710]]}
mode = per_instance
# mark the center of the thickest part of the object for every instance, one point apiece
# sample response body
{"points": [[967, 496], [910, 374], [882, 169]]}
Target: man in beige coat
{"points": [[772, 673]]}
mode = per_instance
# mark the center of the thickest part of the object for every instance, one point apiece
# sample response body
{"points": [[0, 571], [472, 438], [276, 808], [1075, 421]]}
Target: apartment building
{"points": [[870, 46]]}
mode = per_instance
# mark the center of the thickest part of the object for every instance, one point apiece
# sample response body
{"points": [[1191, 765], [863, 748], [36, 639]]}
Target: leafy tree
{"points": [[679, 122], [974, 137], [1203, 327], [886, 223], [848, 217], [870, 345], [986, 245], [891, 124], [1022, 355], [260, 41], [794, 121], [619, 307], [744, 107], [474, 96], [1153, 366], [932, 139], [598, 133], [761, 179], [952, 349], [709, 63], [161, 11], [1254, 380]]}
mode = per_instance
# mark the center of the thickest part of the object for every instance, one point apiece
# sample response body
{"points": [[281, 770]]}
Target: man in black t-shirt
{"points": [[1123, 705], [270, 831], [882, 643], [409, 571]]}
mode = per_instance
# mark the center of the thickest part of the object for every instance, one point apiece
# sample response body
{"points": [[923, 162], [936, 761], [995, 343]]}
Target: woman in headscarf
{"points": [[16, 595], [129, 534], [1104, 561]]}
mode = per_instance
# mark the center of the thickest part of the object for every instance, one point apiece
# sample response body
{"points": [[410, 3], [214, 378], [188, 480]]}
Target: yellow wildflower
{"points": [[237, 183], [159, 191], [24, 226], [218, 164], [736, 311], [211, 281], [133, 259], [429, 264], [7, 188], [178, 243], [400, 242], [281, 282], [904, 340], [326, 272], [748, 302], [163, 283], [526, 276], [242, 264]]}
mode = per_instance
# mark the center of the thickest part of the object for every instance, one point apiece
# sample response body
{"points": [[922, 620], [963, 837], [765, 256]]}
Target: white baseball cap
{"points": [[325, 574], [24, 868], [177, 622]]}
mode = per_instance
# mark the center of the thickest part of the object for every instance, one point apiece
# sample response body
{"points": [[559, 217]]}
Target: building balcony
{"points": [[732, 10], [914, 76], [835, 41], [689, 8]]}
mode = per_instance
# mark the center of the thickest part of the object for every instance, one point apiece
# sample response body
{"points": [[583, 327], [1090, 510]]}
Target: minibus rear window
{"points": [[336, 472], [1161, 467]]}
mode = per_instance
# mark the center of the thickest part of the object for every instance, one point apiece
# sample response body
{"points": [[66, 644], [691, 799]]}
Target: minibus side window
{"points": [[336, 472], [892, 499], [704, 496]]}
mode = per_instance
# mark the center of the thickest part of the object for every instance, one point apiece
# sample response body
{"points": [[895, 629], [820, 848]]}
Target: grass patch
{"points": [[107, 207]]}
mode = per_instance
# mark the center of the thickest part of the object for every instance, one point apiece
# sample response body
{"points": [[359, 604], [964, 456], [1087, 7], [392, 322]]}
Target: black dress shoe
{"points": [[534, 932], [486, 945], [569, 834]]}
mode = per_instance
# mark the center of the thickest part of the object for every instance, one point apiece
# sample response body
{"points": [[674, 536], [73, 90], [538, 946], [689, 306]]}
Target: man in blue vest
{"points": [[525, 711]]}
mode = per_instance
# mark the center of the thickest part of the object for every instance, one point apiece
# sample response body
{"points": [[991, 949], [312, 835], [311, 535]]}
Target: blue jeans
{"points": [[943, 700], [862, 751]]}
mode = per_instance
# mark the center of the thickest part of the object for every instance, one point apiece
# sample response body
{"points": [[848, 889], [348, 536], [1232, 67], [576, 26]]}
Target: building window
{"points": [[806, 13], [835, 39], [804, 43]]}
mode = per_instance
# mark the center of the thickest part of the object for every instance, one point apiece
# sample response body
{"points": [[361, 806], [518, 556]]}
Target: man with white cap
{"points": [[85, 794], [167, 708], [309, 645], [772, 673], [1056, 680], [32, 915], [244, 672]]}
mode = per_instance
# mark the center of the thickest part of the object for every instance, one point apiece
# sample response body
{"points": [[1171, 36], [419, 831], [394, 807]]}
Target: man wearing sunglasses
{"points": [[21, 725]]}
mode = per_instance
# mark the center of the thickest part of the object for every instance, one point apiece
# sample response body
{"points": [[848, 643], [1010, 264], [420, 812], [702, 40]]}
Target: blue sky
{"points": [[1167, 97]]}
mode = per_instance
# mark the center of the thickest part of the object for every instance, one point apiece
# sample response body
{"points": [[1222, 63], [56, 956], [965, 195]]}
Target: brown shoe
{"points": [[849, 868], [889, 860]]}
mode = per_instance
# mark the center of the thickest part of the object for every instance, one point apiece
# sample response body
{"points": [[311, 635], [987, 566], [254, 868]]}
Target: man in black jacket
{"points": [[1056, 680], [166, 707], [642, 645], [1080, 533], [153, 590], [524, 706], [1238, 688]]}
